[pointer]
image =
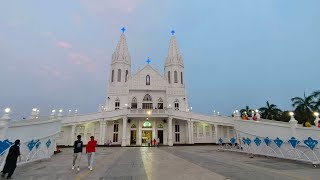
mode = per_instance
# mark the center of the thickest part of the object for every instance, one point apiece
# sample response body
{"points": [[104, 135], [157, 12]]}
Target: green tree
{"points": [[284, 116], [316, 95], [304, 106], [270, 111]]}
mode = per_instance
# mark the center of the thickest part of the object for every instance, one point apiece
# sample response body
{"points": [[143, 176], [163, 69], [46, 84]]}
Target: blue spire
{"points": [[173, 32], [123, 29], [148, 60]]}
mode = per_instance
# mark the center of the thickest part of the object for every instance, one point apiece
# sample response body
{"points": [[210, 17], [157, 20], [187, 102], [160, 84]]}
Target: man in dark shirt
{"points": [[77, 151]]}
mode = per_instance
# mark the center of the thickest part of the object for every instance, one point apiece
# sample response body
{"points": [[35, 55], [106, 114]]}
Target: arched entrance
{"points": [[146, 133]]}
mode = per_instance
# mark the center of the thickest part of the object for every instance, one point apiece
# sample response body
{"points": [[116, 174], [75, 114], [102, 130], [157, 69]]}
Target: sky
{"points": [[56, 54]]}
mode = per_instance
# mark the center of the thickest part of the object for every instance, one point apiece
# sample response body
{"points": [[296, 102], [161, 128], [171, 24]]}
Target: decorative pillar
{"points": [[85, 134], [4, 123], [100, 132], [124, 130], [293, 123], [104, 127], [216, 130], [228, 134], [210, 127], [191, 127], [72, 139], [139, 138], [170, 143], [189, 132], [154, 130]]}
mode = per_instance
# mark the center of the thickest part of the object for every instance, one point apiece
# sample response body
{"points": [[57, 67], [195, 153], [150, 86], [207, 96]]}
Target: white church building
{"points": [[146, 105]]}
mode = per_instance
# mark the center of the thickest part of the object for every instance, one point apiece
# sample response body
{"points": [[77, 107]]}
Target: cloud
{"points": [[84, 60], [54, 72], [64, 44]]}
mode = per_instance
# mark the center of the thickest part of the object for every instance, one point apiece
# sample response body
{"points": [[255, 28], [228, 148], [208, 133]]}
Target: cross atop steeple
{"points": [[148, 60], [123, 29]]}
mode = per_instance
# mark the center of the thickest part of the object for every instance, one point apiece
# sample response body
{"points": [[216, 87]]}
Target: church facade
{"points": [[144, 106]]}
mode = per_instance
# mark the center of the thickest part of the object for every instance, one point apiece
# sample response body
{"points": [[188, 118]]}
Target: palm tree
{"points": [[246, 110], [304, 106], [316, 95], [270, 111]]}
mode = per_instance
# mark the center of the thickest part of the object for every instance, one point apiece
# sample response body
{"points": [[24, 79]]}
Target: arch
{"points": [[134, 103], [176, 100], [117, 99], [133, 126], [176, 104], [169, 78], [117, 103], [119, 75], [160, 100], [134, 100], [147, 97], [147, 124], [112, 75], [160, 126], [148, 80], [175, 77]]}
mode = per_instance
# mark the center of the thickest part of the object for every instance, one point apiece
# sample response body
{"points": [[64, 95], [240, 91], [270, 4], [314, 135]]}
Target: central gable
{"points": [[147, 79]]}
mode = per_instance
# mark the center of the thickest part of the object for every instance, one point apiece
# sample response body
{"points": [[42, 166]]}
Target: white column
{"points": [[189, 131], [216, 133], [85, 134], [210, 127], [100, 132], [4, 124], [139, 133], [154, 130], [124, 132], [170, 143], [191, 127], [228, 135], [198, 130], [104, 125], [72, 139]]}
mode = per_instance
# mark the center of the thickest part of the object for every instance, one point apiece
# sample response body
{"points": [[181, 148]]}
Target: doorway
{"points": [[146, 137], [160, 136], [133, 137]]}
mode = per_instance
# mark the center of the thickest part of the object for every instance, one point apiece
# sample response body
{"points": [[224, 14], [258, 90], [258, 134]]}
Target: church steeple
{"points": [[174, 57], [121, 53]]}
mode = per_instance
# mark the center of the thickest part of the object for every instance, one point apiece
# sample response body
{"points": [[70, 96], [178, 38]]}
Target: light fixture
{"points": [[169, 105], [148, 112], [34, 109], [257, 110], [76, 110], [124, 104], [7, 110], [60, 111], [191, 108], [291, 113], [53, 111], [316, 114]]}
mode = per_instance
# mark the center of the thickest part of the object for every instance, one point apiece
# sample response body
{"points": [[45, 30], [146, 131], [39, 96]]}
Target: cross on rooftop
{"points": [[148, 60], [123, 29]]}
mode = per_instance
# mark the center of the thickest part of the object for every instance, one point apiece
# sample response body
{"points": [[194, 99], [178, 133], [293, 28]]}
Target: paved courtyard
{"points": [[181, 162]]}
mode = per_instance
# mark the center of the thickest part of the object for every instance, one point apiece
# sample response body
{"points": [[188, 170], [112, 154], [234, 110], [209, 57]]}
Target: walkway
{"points": [[191, 162]]}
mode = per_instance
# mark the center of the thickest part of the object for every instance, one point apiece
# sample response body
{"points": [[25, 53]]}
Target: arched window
{"points": [[147, 80], [181, 78], [176, 104], [119, 75], [160, 103], [175, 77], [127, 74], [117, 104], [133, 126], [169, 78], [112, 75], [147, 104], [134, 103], [147, 97]]}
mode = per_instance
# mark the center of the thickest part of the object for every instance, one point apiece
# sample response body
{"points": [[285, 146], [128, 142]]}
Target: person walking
{"points": [[77, 152], [154, 142], [90, 150], [158, 141], [11, 160]]}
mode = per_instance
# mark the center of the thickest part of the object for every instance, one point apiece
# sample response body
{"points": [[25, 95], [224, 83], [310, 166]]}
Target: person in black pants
{"points": [[11, 160], [77, 152]]}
